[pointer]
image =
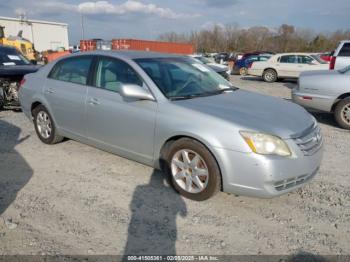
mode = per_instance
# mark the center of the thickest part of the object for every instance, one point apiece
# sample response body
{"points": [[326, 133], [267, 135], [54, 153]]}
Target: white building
{"points": [[45, 35]]}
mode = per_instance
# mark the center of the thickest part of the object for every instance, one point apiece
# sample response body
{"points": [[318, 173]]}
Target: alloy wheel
{"points": [[345, 113], [44, 125], [189, 171]]}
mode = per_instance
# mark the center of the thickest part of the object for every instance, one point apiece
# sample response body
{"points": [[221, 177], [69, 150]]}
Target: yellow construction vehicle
{"points": [[23, 45]]}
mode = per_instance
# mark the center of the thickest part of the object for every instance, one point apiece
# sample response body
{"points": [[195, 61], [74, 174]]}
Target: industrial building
{"points": [[43, 34]]}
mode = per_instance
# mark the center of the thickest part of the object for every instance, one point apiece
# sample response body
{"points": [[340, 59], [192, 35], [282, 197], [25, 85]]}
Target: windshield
{"points": [[12, 57], [319, 59], [182, 77]]}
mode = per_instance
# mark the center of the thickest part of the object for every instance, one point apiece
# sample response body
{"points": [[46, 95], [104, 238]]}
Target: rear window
{"points": [[11, 57], [345, 50], [74, 70], [290, 59]]}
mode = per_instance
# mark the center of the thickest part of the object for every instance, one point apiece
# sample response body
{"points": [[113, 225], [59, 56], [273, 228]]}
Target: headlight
{"points": [[265, 144]]}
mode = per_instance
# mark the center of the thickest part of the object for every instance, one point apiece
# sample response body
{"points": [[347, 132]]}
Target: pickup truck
{"points": [[341, 56]]}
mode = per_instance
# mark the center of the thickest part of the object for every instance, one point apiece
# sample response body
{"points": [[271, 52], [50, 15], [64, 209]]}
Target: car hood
{"points": [[255, 112]]}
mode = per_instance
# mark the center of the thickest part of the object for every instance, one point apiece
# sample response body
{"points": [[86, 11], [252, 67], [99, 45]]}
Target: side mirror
{"points": [[135, 92]]}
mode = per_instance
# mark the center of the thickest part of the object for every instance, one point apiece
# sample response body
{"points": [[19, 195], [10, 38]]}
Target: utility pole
{"points": [[82, 26]]}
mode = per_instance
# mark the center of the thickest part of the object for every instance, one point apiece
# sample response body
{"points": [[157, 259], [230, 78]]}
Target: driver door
{"points": [[122, 125]]}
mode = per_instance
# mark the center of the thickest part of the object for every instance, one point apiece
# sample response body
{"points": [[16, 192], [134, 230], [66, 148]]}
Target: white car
{"points": [[287, 65]]}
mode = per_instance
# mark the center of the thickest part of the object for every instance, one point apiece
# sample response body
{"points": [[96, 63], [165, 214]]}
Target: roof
{"points": [[296, 53], [31, 21], [132, 54]]}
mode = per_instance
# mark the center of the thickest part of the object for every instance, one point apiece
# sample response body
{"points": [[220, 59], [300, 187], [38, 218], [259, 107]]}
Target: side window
{"points": [[303, 59], [345, 50], [112, 73], [74, 70], [289, 59]]}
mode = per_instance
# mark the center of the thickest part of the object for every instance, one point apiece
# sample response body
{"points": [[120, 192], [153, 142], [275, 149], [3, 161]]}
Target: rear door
{"points": [[287, 66], [66, 90], [125, 125], [306, 63]]}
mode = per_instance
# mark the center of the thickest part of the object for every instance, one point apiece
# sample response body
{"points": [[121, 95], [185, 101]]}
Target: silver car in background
{"points": [[327, 91], [175, 114]]}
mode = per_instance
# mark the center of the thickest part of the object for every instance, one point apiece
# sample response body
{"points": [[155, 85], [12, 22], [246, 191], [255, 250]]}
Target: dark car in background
{"points": [[241, 65], [13, 66], [221, 58]]}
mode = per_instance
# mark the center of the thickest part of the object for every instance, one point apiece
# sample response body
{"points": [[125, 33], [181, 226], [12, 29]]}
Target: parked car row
{"points": [[287, 65]]}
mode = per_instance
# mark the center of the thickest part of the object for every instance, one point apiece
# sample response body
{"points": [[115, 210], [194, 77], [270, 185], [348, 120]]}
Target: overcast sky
{"points": [[146, 19]]}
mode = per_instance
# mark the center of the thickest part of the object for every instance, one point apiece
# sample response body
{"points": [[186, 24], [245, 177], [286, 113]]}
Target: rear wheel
{"points": [[44, 126], [193, 170], [243, 71], [342, 113], [270, 75]]}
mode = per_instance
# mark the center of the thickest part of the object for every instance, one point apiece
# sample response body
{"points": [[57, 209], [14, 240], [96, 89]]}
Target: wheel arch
{"points": [[34, 105], [270, 68], [339, 98]]}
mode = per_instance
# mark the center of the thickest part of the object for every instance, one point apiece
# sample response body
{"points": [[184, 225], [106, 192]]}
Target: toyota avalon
{"points": [[174, 114]]}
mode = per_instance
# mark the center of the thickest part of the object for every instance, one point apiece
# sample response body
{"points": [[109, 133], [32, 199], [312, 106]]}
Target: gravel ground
{"points": [[74, 199]]}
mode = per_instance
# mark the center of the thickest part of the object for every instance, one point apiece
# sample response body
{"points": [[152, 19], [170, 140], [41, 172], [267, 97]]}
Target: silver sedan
{"points": [[172, 113], [327, 91]]}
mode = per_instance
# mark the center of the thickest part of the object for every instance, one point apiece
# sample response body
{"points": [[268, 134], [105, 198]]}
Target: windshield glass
{"points": [[12, 57], [319, 59], [182, 77]]}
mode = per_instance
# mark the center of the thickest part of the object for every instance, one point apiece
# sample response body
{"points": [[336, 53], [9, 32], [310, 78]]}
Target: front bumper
{"points": [[255, 175]]}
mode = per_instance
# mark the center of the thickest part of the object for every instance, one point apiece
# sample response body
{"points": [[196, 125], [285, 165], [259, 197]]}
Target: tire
{"points": [[342, 113], [2, 99], [270, 75], [243, 71], [42, 115], [202, 169]]}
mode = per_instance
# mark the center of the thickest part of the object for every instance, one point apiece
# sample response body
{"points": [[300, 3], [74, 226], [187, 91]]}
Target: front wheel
{"points": [[342, 113], [270, 75], [44, 126], [193, 170]]}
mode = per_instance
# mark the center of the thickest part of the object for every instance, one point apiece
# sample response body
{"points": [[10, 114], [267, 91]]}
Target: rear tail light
{"points": [[21, 83], [332, 63], [250, 65]]}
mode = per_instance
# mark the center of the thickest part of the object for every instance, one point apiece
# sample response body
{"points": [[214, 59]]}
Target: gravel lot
{"points": [[74, 199]]}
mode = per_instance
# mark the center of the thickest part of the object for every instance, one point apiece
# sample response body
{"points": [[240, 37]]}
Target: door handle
{"points": [[50, 90], [94, 101]]}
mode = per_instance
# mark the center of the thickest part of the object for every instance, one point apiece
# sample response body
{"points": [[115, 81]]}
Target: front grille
{"points": [[310, 142], [292, 182]]}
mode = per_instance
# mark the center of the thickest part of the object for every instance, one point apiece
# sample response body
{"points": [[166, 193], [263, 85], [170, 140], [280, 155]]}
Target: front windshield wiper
{"points": [[215, 92]]}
